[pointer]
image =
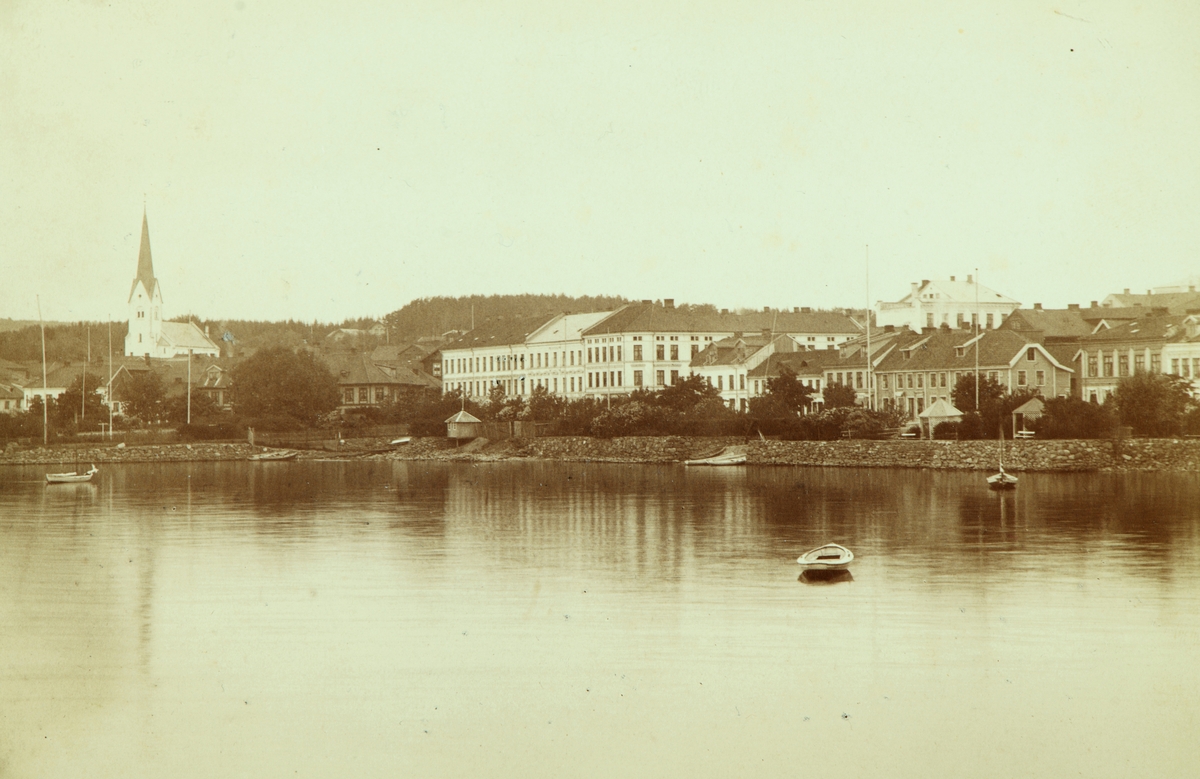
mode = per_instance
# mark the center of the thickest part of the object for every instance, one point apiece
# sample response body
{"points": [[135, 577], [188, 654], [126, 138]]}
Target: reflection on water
{"points": [[312, 619]]}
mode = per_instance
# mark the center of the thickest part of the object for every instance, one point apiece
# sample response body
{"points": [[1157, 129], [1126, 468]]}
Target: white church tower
{"points": [[149, 335]]}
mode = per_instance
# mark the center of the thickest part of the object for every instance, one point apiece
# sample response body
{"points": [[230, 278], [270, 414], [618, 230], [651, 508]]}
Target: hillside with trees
{"points": [[431, 317]]}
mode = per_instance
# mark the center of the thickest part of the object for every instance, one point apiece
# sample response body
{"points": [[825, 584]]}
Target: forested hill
{"points": [[435, 316]]}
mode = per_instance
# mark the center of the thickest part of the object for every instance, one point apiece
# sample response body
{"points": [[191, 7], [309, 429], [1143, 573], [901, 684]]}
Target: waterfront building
{"points": [[956, 304], [727, 364], [1158, 343]]}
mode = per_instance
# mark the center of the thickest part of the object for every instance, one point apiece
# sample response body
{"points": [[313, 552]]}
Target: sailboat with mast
{"points": [[1002, 480]]}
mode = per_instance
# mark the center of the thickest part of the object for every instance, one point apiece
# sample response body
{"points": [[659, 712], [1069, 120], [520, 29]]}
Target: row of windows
{"points": [[512, 362], [940, 380]]}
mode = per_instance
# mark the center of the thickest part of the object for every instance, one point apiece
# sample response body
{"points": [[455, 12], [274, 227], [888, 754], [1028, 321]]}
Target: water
{"points": [[375, 619]]}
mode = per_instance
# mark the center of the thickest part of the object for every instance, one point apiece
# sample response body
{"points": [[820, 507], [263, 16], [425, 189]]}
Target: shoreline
{"points": [[1051, 456]]}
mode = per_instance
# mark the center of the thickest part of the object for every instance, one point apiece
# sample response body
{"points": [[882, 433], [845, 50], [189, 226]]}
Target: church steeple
{"points": [[145, 269]]}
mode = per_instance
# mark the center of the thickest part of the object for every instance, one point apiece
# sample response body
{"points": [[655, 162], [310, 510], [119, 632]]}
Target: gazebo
{"points": [[1026, 412], [939, 411], [463, 425]]}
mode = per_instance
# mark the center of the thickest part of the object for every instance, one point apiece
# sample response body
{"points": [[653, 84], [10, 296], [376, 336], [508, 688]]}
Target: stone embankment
{"points": [[1025, 455]]}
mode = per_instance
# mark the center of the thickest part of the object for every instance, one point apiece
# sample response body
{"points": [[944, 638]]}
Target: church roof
{"points": [[185, 335], [145, 269]]}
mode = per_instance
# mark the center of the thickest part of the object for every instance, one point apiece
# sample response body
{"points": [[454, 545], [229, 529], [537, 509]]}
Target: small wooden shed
{"points": [[938, 412], [463, 426], [1026, 412]]}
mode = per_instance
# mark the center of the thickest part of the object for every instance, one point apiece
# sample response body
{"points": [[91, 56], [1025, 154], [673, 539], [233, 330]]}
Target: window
{"points": [[858, 380], [884, 378], [362, 394], [721, 383], [637, 376], [674, 351], [1108, 365], [659, 351], [1093, 369], [920, 380], [994, 376], [961, 322], [1174, 367], [637, 352], [618, 354], [910, 382], [990, 321], [943, 380], [349, 395], [929, 320], [695, 349], [1031, 354], [1021, 380], [1156, 363], [674, 377], [741, 381], [658, 378], [1041, 378], [380, 394]]}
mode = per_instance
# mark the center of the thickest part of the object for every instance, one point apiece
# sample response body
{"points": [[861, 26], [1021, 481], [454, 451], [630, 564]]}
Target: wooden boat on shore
{"points": [[278, 454], [830, 557], [723, 458], [71, 478]]}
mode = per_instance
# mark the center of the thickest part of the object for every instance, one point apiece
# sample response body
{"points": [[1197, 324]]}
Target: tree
{"points": [[1074, 418], [543, 407], [175, 409], [142, 396], [686, 393], [79, 403], [1153, 404], [280, 382], [787, 390], [964, 392], [838, 396]]}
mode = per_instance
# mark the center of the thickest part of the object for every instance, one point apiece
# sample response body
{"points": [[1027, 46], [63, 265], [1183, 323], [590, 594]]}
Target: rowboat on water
{"points": [[71, 478], [723, 458], [829, 557], [278, 454]]}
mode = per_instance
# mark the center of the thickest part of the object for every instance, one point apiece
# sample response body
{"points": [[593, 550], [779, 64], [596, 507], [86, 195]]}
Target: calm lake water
{"points": [[376, 619]]}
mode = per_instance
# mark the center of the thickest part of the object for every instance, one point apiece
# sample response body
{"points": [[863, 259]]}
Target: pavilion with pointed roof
{"points": [[148, 335]]}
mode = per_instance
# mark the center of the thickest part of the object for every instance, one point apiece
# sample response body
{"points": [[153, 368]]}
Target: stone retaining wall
{"points": [[1025, 455]]}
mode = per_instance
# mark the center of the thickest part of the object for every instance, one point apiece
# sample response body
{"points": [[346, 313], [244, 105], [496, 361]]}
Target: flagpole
{"points": [[977, 340], [870, 385], [45, 398]]}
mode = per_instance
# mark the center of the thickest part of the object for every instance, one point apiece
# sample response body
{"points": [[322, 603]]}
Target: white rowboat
{"points": [[71, 478], [826, 558]]}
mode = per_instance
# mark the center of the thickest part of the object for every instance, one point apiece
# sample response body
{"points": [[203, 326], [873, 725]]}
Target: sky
{"points": [[323, 161]]}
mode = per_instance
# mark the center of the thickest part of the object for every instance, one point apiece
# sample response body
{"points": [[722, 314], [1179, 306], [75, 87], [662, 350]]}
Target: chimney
{"points": [[969, 279], [724, 311], [1095, 304], [796, 309], [766, 309], [889, 328], [805, 310], [668, 302], [952, 278], [1149, 292], [1037, 306], [915, 287], [647, 302], [1127, 290], [1191, 288], [766, 333], [1072, 306]]}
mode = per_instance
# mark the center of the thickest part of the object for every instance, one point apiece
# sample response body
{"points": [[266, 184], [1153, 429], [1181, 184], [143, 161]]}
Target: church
{"points": [[149, 335]]}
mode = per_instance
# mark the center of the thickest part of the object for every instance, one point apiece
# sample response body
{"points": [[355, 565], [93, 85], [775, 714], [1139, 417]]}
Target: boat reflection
{"points": [[826, 576]]}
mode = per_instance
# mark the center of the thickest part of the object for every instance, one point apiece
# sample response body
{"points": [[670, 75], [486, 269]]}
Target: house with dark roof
{"points": [[726, 364], [364, 383], [1159, 343], [921, 368], [1179, 303]]}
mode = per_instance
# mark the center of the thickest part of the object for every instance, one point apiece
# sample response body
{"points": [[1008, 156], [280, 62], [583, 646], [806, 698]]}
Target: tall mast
{"points": [[45, 397], [870, 384], [977, 340], [110, 387]]}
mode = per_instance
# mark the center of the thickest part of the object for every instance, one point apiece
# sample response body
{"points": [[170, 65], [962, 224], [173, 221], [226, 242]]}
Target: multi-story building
{"points": [[520, 355], [921, 368], [956, 304], [650, 346], [1159, 343], [727, 364]]}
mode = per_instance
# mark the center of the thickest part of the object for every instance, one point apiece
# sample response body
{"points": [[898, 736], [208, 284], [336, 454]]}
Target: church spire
{"points": [[145, 268]]}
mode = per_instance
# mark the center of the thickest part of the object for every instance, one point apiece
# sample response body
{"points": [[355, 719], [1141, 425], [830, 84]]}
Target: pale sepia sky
{"points": [[322, 161]]}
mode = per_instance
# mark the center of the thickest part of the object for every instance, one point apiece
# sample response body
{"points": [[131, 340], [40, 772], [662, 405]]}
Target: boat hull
{"points": [[831, 557], [71, 478]]}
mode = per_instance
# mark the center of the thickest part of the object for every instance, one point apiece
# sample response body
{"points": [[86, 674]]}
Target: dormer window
{"points": [[1031, 354]]}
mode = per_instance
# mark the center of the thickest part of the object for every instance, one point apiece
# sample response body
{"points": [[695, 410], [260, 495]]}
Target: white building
{"points": [[958, 304], [149, 335], [520, 355], [650, 346]]}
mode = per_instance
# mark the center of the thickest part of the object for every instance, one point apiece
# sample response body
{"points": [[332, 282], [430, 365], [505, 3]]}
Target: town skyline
{"points": [[322, 166]]}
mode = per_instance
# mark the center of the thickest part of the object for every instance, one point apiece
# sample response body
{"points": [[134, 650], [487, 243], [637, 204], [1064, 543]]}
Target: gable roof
{"points": [[653, 318], [956, 291], [1049, 323], [946, 349], [185, 335], [498, 332], [1161, 328]]}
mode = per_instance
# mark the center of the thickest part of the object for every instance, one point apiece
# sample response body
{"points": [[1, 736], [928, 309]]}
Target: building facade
{"points": [[956, 304]]}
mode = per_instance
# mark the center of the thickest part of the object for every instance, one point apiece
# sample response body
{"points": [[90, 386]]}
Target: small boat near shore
{"points": [[830, 557], [278, 454], [72, 478], [723, 458], [1002, 480]]}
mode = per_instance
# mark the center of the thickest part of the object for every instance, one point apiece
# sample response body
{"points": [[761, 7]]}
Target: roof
{"points": [[498, 332], [805, 364], [1174, 302], [941, 408], [947, 349], [731, 351], [186, 335], [653, 318], [1031, 408], [145, 267], [1153, 328], [8, 392], [954, 290], [461, 417], [1050, 323], [567, 327]]}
